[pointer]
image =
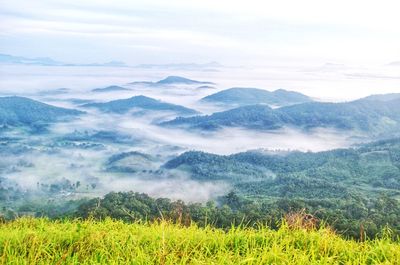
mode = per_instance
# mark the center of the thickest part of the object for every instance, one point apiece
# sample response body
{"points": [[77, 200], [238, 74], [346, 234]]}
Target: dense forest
{"points": [[353, 217]]}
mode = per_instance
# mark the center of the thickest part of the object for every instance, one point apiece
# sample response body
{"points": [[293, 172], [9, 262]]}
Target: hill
{"points": [[365, 171], [383, 97], [124, 105], [252, 117], [172, 80], [240, 96], [40, 241], [17, 111], [110, 89], [374, 117], [130, 162]]}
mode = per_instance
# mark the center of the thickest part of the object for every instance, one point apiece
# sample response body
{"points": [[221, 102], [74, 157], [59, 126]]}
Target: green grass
{"points": [[40, 241]]}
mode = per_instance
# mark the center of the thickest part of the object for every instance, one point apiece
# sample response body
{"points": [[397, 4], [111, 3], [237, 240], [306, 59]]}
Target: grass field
{"points": [[40, 241]]}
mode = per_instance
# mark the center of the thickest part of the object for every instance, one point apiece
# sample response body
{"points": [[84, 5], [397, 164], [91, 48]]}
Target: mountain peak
{"points": [[110, 89], [180, 80]]}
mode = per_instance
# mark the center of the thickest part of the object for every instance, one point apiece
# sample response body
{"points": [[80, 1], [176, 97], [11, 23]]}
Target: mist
{"points": [[53, 159]]}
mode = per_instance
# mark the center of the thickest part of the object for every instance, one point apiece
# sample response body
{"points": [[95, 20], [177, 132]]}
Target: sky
{"points": [[237, 33]]}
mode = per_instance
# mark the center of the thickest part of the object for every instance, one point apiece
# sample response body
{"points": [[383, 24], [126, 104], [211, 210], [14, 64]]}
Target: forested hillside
{"points": [[121, 106], [367, 116], [364, 171], [21, 111], [241, 96]]}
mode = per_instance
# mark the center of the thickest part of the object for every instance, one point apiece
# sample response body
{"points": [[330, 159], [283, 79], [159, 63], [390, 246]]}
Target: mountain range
{"points": [[211, 66], [46, 61]]}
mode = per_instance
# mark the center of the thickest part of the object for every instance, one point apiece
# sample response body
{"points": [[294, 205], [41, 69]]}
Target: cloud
{"points": [[251, 32]]}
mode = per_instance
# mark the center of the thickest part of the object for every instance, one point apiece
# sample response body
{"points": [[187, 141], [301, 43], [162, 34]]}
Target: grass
{"points": [[41, 241]]}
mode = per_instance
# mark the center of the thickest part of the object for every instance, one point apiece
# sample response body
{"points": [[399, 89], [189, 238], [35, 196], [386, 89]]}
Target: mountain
{"points": [[383, 97], [124, 105], [111, 64], [252, 117], [45, 61], [54, 92], [369, 169], [17, 111], [240, 96], [130, 162], [10, 59], [110, 89], [205, 87], [173, 80], [362, 115], [211, 66]]}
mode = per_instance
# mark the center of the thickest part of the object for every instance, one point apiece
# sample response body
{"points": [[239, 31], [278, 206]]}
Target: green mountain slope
{"points": [[367, 171], [20, 111], [373, 117], [140, 102], [240, 96]]}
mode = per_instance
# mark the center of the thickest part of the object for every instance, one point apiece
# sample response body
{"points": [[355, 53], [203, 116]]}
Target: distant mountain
{"points": [[211, 66], [383, 97], [205, 87], [240, 96], [362, 115], [173, 80], [112, 64], [124, 105], [17, 111], [10, 59], [53, 92], [45, 61], [170, 80], [110, 89]]}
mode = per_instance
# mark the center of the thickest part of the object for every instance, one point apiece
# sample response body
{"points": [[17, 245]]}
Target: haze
{"points": [[336, 50]]}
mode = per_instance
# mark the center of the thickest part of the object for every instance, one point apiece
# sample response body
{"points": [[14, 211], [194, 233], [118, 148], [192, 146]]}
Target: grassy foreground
{"points": [[40, 241]]}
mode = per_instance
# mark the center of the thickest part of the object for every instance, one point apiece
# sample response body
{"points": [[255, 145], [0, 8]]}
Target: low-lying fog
{"points": [[50, 160]]}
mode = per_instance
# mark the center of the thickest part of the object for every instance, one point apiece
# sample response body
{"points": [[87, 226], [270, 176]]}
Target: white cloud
{"points": [[241, 32]]}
